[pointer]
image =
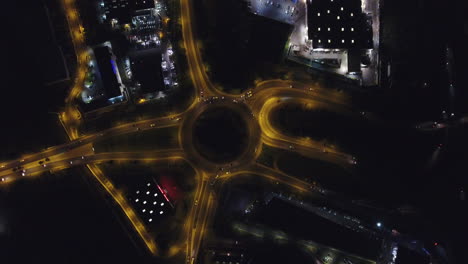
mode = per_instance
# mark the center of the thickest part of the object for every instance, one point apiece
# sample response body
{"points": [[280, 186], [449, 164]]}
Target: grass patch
{"points": [[148, 140], [326, 174]]}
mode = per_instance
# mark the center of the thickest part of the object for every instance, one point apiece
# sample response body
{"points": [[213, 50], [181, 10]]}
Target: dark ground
{"points": [[220, 135], [237, 45], [390, 157], [52, 219], [63, 218], [296, 221], [28, 105], [416, 37]]}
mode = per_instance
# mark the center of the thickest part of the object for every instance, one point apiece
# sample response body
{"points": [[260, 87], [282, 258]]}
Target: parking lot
{"points": [[287, 11]]}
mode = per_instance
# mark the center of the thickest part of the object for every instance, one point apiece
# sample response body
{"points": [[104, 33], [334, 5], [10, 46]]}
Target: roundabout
{"points": [[221, 134]]}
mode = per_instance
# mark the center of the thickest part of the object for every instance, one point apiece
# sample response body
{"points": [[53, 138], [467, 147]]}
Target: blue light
{"points": [[114, 67]]}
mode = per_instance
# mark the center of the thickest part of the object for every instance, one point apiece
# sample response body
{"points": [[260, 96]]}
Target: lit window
{"points": [[342, 29], [328, 11], [155, 194], [154, 203], [147, 192], [318, 14], [144, 210], [318, 29], [137, 192], [352, 14], [342, 41], [136, 200], [150, 220], [162, 204], [151, 211], [161, 212], [148, 184], [144, 202], [338, 17], [341, 8], [328, 29], [352, 29], [352, 41], [319, 41], [329, 41]]}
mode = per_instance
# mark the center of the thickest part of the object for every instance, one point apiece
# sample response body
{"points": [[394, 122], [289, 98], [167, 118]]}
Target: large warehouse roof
{"points": [[338, 24]]}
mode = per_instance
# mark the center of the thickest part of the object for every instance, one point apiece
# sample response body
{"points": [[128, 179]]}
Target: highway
{"points": [[74, 149], [84, 156]]}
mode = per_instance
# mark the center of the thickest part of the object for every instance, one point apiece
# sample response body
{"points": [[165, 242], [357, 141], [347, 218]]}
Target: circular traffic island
{"points": [[220, 134]]}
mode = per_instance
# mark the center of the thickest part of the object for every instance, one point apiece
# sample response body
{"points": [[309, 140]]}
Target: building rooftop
{"points": [[338, 24], [147, 71], [150, 201], [107, 71], [122, 10]]}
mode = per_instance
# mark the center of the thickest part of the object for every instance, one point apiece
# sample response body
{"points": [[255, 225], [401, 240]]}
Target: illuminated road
{"points": [[304, 146], [255, 105], [202, 84], [67, 151], [84, 156], [71, 116]]}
